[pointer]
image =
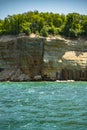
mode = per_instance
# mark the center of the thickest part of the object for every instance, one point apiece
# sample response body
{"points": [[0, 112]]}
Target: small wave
{"points": [[27, 125]]}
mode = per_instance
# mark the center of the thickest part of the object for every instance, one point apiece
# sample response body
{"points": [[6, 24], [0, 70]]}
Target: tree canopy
{"points": [[44, 24]]}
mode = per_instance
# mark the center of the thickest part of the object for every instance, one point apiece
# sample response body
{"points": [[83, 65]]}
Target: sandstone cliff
{"points": [[21, 58], [24, 58], [65, 59]]}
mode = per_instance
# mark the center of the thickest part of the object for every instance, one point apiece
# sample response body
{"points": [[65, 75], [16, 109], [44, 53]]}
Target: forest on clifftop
{"points": [[72, 25]]}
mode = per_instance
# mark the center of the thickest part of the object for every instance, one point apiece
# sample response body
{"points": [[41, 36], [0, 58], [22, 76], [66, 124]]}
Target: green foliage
{"points": [[1, 27], [84, 25], [85, 28], [71, 25], [44, 31], [25, 28]]}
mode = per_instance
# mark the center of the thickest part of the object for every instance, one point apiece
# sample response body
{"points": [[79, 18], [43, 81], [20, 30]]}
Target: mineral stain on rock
{"points": [[24, 58]]}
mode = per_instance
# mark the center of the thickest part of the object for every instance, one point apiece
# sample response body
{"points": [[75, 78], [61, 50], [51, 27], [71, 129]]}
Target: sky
{"points": [[10, 7]]}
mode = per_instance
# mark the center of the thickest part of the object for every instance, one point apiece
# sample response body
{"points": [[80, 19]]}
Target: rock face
{"points": [[21, 58], [65, 59], [34, 58]]}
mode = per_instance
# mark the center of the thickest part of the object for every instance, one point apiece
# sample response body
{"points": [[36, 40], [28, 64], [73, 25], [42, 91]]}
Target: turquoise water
{"points": [[43, 106]]}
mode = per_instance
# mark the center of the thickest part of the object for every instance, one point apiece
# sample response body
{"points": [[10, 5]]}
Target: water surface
{"points": [[43, 106]]}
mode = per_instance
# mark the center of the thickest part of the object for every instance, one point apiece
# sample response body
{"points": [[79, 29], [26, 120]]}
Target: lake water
{"points": [[43, 106]]}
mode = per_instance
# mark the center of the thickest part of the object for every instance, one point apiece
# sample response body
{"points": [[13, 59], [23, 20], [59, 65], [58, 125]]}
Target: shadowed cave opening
{"points": [[77, 75], [1, 69]]}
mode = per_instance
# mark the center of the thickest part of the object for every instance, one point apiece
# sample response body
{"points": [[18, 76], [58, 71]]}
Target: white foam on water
{"points": [[42, 92], [28, 124], [31, 91], [52, 93]]}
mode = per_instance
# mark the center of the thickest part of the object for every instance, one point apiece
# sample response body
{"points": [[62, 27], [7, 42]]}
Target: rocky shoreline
{"points": [[34, 58]]}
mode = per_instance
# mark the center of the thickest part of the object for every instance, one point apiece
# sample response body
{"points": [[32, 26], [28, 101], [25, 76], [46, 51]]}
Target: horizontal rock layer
{"points": [[25, 59]]}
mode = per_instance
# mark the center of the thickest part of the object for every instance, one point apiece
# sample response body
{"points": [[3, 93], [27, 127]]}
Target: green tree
{"points": [[57, 20], [1, 27], [84, 25], [44, 31], [85, 28], [72, 26], [25, 28]]}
